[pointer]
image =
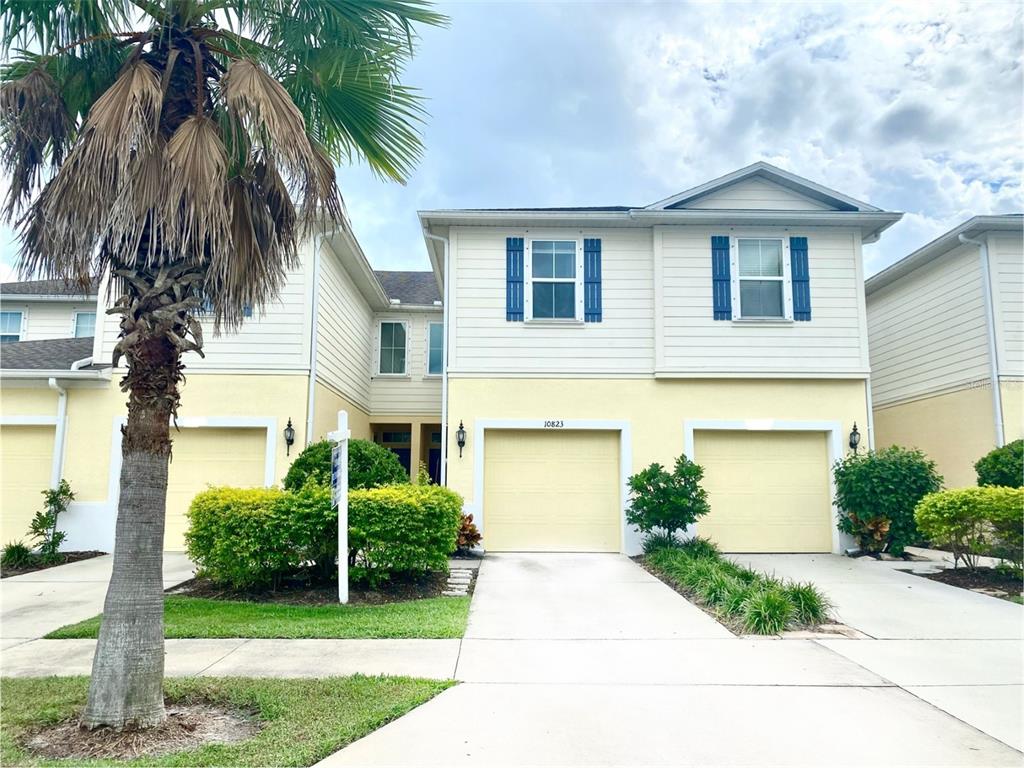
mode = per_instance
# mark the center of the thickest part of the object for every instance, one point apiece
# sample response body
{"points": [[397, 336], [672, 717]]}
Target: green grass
{"points": [[303, 720], [745, 600], [187, 617]]}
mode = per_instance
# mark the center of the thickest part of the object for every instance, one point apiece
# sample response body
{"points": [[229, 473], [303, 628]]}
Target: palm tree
{"points": [[184, 148]]}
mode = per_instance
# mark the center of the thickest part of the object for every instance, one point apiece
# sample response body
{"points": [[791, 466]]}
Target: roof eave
{"points": [[100, 374], [34, 297]]}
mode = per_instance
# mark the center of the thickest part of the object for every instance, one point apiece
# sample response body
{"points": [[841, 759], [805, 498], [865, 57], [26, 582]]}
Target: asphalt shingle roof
{"points": [[46, 288], [410, 287], [44, 355]]}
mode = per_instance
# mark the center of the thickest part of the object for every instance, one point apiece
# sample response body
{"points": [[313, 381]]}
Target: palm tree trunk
{"points": [[126, 688]]}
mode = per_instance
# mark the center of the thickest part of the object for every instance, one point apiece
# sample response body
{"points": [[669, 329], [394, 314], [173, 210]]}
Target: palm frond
{"points": [[49, 25]]}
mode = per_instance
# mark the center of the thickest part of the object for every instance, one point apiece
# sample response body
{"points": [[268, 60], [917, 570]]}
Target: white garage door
{"points": [[551, 491], [769, 491]]}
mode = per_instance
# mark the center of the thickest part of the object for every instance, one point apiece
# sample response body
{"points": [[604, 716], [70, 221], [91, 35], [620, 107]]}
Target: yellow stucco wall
{"points": [[326, 404], [656, 409], [955, 429], [1013, 409]]}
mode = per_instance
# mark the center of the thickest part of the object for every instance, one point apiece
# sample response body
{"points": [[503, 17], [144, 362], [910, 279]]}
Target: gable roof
{"points": [[973, 227], [45, 354], [417, 288], [764, 170], [49, 288]]}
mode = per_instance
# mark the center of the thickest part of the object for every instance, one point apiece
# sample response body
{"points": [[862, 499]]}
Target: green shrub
{"points": [[767, 612], [402, 529], [809, 605], [1006, 516], [877, 492], [1002, 466], [659, 540], [972, 522], [43, 528], [369, 465], [17, 555], [667, 501]]}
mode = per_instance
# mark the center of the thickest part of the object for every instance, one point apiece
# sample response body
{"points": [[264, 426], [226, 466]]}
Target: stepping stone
{"points": [[454, 593]]}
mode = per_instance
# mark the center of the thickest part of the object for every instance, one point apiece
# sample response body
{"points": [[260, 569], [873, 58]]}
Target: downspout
{"points": [[871, 413], [990, 320], [444, 355], [314, 331], [57, 463]]}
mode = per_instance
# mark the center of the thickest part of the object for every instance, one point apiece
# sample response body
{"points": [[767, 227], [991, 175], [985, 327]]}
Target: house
{"points": [[340, 336], [727, 322], [34, 310], [946, 329]]}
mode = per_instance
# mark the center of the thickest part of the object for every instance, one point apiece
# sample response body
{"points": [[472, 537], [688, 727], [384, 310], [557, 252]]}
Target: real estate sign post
{"points": [[339, 496]]}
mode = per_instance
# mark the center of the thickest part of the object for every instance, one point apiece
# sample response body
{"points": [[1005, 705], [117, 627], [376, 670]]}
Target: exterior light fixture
{"points": [[460, 437], [289, 437], [854, 439]]}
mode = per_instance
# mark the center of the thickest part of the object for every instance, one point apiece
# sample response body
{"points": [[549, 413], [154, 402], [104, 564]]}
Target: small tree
{"points": [[877, 492], [43, 528], [1002, 466], [369, 465], [667, 501]]}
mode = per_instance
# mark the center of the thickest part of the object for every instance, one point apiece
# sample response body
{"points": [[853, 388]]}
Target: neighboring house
{"points": [[946, 326], [340, 336], [727, 322], [46, 309]]}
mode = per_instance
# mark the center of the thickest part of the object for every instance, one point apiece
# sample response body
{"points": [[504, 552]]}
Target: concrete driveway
{"points": [[34, 604], [584, 660]]}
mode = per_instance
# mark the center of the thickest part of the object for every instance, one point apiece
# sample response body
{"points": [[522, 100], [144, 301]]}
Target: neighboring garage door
{"points": [[25, 463], [551, 491], [769, 491], [205, 456]]}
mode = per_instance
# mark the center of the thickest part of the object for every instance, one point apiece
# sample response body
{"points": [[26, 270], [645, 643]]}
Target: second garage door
{"points": [[769, 491], [551, 491]]}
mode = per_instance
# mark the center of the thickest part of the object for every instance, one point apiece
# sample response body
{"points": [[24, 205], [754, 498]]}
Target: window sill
{"points": [[392, 376], [431, 375], [554, 321], [763, 320]]}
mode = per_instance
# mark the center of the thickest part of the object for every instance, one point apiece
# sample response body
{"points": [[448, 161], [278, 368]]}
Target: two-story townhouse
{"points": [[946, 327], [727, 322], [339, 336], [34, 310]]}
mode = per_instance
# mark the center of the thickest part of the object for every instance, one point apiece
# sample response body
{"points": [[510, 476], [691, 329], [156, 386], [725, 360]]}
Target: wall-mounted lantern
{"points": [[289, 437], [854, 438], [460, 437]]}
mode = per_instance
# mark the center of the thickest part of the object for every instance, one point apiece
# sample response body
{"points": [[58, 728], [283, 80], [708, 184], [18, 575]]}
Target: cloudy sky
{"points": [[914, 107]]}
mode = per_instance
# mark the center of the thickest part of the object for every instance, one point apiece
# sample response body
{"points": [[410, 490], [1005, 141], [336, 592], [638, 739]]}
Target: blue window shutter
{"points": [[514, 279], [720, 279], [592, 280], [801, 277]]}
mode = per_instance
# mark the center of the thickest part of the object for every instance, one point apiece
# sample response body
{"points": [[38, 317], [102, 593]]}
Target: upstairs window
{"points": [[762, 278], [10, 326], [392, 348], [554, 274], [435, 349], [85, 324]]}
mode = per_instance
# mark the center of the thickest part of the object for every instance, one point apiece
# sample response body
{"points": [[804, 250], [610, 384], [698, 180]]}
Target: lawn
{"points": [[189, 617], [303, 720]]}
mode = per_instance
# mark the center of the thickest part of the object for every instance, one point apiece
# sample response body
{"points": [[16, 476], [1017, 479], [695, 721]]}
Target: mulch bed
{"points": [[298, 592], [66, 557], [188, 726], [989, 580]]}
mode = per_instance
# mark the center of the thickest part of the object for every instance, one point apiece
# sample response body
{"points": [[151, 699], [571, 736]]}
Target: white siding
{"points": [[927, 330], [416, 392], [1006, 255], [757, 194], [484, 342], [831, 342], [344, 337], [276, 340], [47, 319]]}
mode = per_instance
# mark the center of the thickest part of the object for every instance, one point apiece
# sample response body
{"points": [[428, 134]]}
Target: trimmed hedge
{"points": [[369, 465], [974, 522], [252, 538], [1002, 466]]}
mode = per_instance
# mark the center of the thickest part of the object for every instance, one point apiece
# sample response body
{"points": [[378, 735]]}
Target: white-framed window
{"points": [[761, 287], [554, 279], [393, 337], [435, 349], [10, 326], [85, 324]]}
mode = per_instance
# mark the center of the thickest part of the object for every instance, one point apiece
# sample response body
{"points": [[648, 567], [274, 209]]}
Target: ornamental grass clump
{"points": [[767, 612]]}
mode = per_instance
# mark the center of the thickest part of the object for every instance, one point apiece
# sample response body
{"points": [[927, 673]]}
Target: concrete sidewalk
{"points": [[34, 604]]}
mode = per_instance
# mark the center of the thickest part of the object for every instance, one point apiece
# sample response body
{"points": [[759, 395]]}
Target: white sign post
{"points": [[339, 497]]}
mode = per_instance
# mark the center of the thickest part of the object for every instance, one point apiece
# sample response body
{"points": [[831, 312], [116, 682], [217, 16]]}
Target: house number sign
{"points": [[554, 424]]}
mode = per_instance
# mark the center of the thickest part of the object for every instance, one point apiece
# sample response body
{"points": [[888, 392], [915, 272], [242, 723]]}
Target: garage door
{"points": [[769, 491], [547, 491], [207, 456], [25, 463]]}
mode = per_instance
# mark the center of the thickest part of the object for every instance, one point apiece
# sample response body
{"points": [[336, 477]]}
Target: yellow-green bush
{"points": [[973, 522], [402, 529]]}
